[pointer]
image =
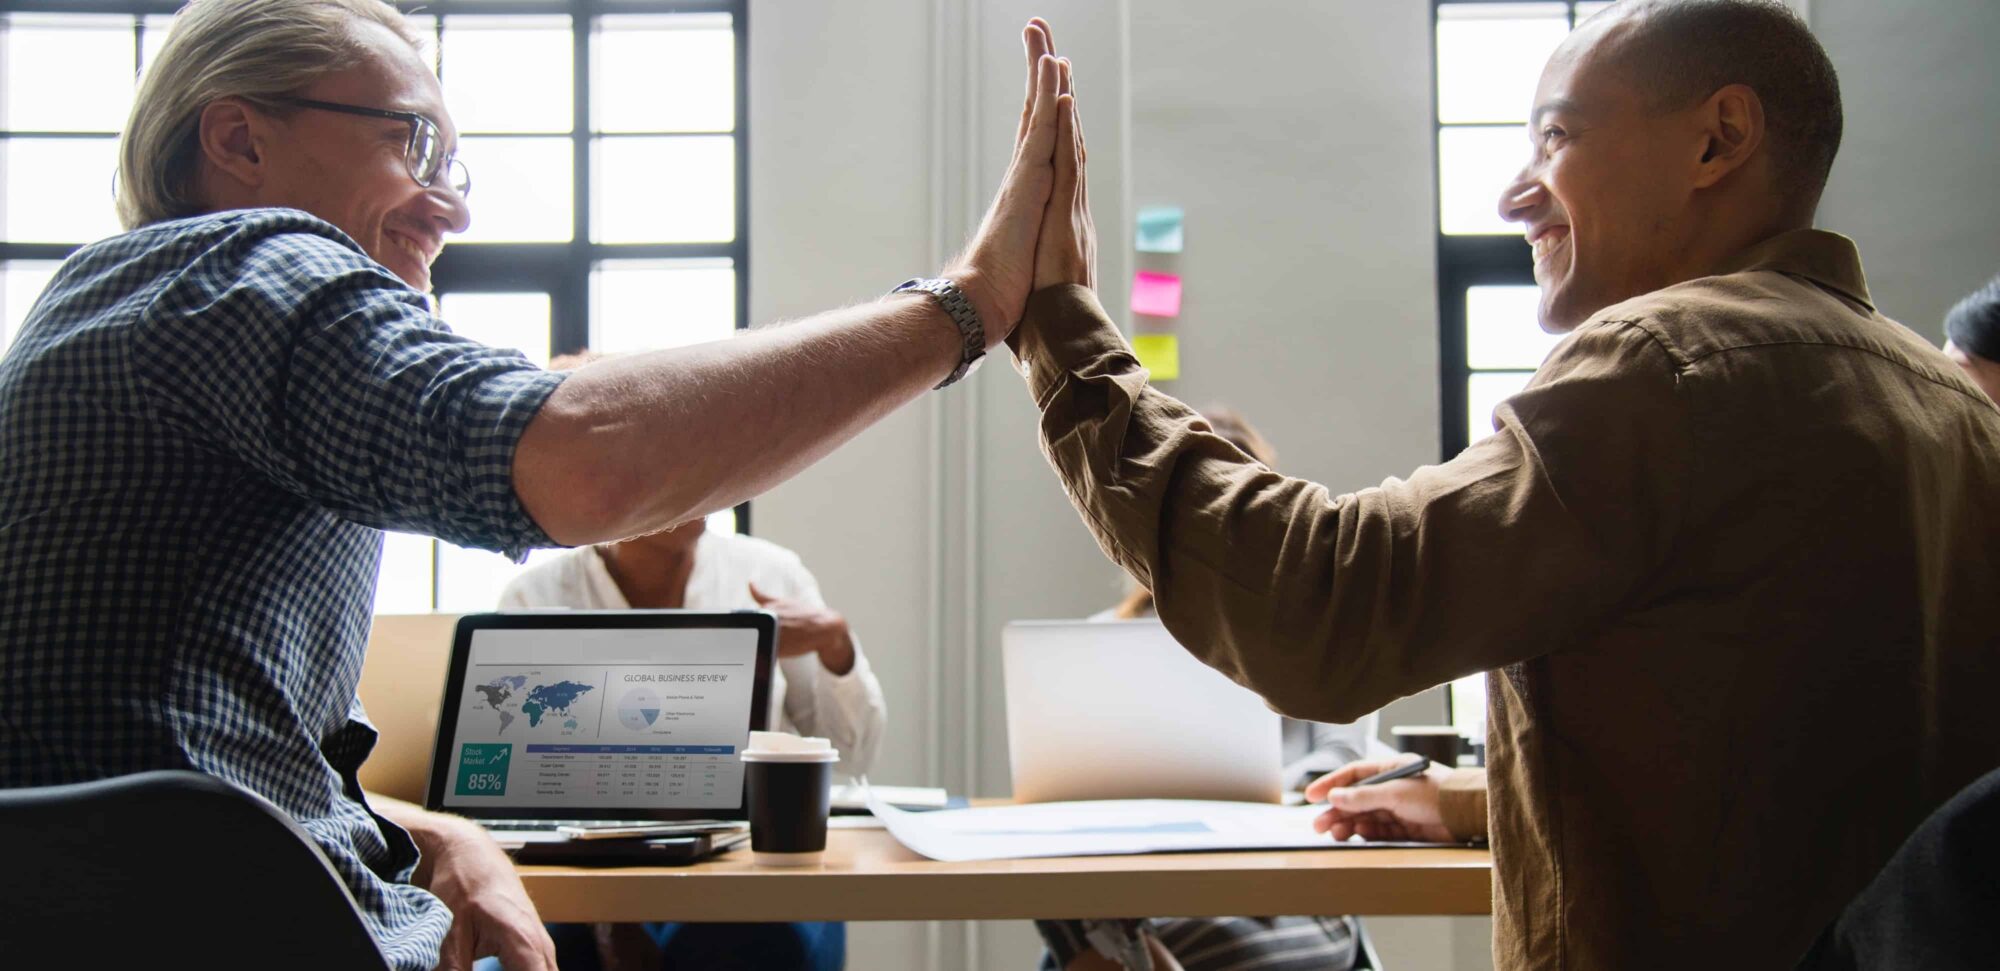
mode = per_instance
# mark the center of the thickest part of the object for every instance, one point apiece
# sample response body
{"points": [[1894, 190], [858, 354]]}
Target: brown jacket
{"points": [[1732, 553]]}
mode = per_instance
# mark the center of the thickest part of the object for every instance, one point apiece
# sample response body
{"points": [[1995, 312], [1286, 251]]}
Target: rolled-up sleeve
{"points": [[1332, 606], [295, 354]]}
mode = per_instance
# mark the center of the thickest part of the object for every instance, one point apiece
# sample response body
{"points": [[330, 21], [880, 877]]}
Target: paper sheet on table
{"points": [[1108, 828]]}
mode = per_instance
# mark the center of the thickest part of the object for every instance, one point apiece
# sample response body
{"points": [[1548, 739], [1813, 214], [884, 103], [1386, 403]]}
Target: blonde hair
{"points": [[257, 50]]}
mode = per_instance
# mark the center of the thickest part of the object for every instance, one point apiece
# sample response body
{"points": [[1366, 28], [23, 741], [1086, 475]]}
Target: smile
{"points": [[1545, 242], [410, 246]]}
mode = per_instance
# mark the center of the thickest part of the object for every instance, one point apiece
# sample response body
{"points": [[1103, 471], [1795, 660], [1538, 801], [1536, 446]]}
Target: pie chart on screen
{"points": [[639, 709]]}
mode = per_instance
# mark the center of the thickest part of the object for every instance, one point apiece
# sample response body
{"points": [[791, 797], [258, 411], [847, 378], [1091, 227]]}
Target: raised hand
{"points": [[1406, 809], [997, 271], [1067, 250]]}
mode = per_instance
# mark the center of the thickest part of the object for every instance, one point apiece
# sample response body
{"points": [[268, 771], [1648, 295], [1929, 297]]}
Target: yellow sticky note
{"points": [[1160, 354]]}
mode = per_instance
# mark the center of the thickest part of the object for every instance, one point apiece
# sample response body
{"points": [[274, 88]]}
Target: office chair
{"points": [[177, 866], [1936, 904]]}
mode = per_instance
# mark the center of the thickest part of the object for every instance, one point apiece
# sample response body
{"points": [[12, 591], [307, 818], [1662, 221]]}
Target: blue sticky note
{"points": [[1160, 229]]}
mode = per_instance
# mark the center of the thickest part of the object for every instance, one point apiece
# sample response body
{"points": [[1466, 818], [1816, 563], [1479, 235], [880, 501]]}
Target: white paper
{"points": [[1108, 828]]}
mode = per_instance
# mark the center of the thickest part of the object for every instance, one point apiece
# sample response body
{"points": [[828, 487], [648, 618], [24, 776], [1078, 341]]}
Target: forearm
{"points": [[434, 833], [1325, 606], [635, 444]]}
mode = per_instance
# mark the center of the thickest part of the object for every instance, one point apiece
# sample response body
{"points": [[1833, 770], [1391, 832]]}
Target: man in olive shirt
{"points": [[1728, 554]]}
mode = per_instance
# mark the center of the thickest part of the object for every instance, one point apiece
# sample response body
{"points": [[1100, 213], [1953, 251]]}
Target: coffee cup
{"points": [[1439, 743], [791, 791]]}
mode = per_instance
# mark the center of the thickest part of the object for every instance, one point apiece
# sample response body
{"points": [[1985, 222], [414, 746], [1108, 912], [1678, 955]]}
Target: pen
{"points": [[1403, 771]]}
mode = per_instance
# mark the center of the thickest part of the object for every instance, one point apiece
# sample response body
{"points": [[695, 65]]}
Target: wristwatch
{"points": [[961, 312]]}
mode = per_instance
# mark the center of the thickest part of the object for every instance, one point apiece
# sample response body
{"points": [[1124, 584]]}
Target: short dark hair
{"points": [[1682, 51], [1974, 324]]}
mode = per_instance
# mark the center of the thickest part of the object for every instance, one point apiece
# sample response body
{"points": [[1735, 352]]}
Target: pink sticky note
{"points": [[1156, 294]]}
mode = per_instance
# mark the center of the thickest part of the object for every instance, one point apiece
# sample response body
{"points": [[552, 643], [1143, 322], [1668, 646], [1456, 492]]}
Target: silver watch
{"points": [[962, 313]]}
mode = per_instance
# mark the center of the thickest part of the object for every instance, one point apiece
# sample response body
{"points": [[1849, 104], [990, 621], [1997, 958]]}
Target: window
{"points": [[1488, 57], [606, 144]]}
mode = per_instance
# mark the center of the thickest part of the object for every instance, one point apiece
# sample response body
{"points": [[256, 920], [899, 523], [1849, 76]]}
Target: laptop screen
{"points": [[574, 721]]}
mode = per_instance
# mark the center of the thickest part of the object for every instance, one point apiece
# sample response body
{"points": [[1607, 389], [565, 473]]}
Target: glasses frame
{"points": [[418, 125]]}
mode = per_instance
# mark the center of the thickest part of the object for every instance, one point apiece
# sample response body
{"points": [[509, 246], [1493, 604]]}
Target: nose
{"points": [[449, 210], [1523, 195]]}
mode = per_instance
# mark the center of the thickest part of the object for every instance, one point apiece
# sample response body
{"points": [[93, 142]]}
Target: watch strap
{"points": [[959, 308]]}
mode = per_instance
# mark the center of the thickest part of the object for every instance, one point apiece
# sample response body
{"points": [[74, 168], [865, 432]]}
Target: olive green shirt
{"points": [[1731, 553]]}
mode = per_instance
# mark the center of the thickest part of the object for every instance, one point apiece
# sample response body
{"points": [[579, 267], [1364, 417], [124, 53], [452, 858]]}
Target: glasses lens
{"points": [[458, 178], [426, 155]]}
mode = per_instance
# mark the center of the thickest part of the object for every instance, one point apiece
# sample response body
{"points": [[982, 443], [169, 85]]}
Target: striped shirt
{"points": [[205, 425]]}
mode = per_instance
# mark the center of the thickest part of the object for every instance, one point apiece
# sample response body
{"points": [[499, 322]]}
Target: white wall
{"points": [[1917, 181], [1297, 138]]}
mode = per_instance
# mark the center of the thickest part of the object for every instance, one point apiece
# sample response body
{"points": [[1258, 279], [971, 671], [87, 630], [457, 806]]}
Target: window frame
{"points": [[562, 270], [1465, 261]]}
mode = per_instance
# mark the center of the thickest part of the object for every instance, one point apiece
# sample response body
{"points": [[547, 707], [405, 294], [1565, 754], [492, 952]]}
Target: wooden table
{"points": [[869, 876]]}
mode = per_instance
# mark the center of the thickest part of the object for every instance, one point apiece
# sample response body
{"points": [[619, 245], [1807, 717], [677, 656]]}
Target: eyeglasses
{"points": [[425, 155]]}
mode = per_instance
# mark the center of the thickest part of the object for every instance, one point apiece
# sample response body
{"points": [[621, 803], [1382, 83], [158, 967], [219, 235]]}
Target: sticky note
{"points": [[1156, 294], [1160, 229], [1159, 353]]}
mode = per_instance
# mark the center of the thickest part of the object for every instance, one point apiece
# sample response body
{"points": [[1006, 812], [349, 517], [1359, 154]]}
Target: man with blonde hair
{"points": [[206, 422]]}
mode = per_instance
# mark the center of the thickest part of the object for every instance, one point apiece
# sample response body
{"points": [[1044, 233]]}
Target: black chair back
{"points": [[164, 867]]}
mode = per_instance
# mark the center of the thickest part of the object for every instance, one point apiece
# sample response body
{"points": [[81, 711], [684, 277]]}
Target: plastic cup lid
{"points": [[786, 747]]}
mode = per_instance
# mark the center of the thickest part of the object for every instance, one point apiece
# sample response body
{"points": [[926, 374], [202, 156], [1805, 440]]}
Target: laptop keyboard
{"points": [[520, 825]]}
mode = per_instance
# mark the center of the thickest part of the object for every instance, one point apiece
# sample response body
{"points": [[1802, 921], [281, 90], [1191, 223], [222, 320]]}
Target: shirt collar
{"points": [[1827, 259]]}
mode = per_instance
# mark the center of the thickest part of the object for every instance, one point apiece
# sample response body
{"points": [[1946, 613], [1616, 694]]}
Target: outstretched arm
{"points": [[635, 444]]}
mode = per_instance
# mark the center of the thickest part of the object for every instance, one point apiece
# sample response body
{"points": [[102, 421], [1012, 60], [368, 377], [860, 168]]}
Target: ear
{"points": [[1732, 122], [230, 135]]}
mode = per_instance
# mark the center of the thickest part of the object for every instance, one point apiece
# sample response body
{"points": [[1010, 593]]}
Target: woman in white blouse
{"points": [[822, 685]]}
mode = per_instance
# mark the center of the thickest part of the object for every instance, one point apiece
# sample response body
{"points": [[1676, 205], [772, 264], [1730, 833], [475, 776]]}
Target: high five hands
{"points": [[1038, 231]]}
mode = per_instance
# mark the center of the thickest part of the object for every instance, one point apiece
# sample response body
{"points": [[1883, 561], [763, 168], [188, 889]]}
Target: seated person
{"points": [[1972, 337], [821, 686], [1196, 943]]}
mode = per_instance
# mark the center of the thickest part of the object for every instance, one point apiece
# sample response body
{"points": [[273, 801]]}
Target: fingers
{"points": [[1040, 139], [1064, 193], [759, 595], [1036, 42], [1346, 775], [1364, 799]]}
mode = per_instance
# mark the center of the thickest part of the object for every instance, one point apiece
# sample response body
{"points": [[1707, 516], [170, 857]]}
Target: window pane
{"points": [[20, 284], [58, 190], [153, 38], [1468, 707], [1474, 166], [665, 190], [508, 74], [643, 305], [471, 580], [404, 584], [1484, 392], [516, 320], [1489, 57], [523, 190], [673, 73], [723, 521], [1501, 328], [87, 58]]}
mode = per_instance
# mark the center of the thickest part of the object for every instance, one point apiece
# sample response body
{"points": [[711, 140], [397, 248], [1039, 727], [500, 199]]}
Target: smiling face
{"points": [[350, 170], [1605, 197]]}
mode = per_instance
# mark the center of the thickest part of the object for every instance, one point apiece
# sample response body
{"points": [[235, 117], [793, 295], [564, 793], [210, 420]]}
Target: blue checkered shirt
{"points": [[204, 427]]}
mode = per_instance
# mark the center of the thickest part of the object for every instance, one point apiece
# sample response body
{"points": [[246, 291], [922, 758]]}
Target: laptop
{"points": [[578, 717], [1119, 710]]}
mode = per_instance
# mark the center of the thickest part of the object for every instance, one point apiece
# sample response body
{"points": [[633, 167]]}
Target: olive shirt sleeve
{"points": [[1332, 606]]}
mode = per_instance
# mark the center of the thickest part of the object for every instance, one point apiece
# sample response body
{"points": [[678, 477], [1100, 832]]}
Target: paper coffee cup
{"points": [[791, 792]]}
